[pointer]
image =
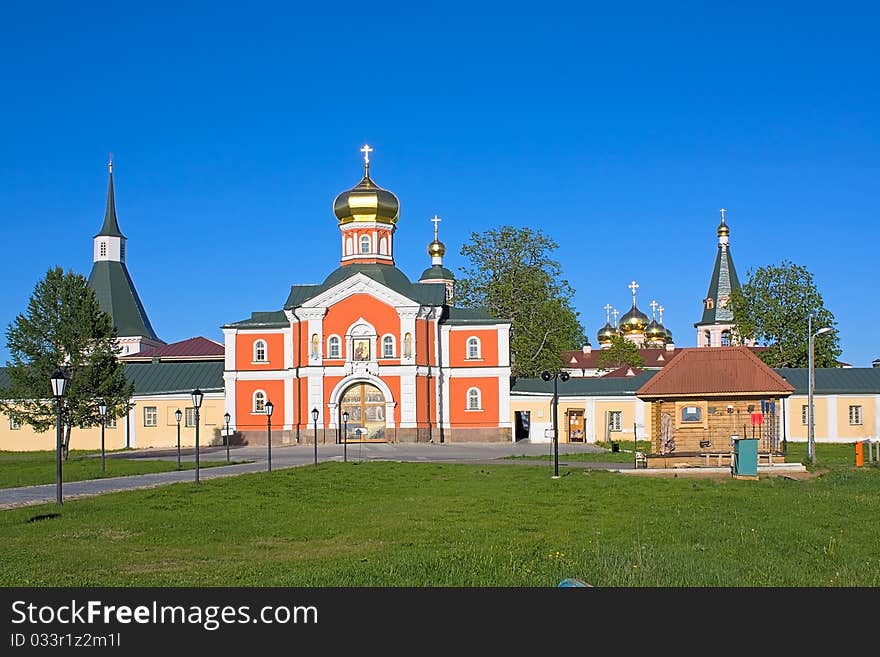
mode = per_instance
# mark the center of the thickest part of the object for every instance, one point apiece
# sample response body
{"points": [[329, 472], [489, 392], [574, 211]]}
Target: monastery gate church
{"points": [[398, 357]]}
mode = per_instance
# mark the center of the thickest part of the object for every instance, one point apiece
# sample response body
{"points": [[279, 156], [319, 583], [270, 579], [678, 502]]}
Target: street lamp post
{"points": [[811, 438], [197, 397], [177, 416], [315, 420], [102, 409], [227, 418], [270, 407], [345, 437], [58, 382], [556, 377]]}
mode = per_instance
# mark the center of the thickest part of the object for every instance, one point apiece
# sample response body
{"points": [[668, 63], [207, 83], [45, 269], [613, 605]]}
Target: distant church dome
{"points": [[606, 333], [635, 321], [367, 202], [655, 332], [436, 249]]}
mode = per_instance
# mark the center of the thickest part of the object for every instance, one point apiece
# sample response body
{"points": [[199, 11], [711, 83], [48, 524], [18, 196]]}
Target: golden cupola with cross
{"points": [[367, 216], [634, 322]]}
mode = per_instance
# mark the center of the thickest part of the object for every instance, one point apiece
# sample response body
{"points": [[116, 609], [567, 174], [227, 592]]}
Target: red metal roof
{"points": [[715, 371], [192, 348], [654, 357]]}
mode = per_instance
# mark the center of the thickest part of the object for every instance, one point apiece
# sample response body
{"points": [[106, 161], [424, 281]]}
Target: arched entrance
{"points": [[365, 405]]}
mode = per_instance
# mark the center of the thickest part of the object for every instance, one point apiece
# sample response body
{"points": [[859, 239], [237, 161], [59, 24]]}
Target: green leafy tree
{"points": [[621, 353], [64, 327], [512, 276], [772, 309]]}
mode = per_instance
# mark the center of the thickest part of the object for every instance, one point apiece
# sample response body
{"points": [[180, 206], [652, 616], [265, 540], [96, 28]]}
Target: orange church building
{"points": [[398, 357]]}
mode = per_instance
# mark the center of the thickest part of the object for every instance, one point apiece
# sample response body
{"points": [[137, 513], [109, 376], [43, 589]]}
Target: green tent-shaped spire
{"points": [[111, 225]]}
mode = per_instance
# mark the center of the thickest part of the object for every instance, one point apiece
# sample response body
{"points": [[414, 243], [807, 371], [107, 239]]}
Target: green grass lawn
{"points": [[424, 524], [32, 468], [625, 455]]}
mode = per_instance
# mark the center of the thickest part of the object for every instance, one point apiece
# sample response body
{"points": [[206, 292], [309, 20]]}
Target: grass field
{"points": [[422, 524], [32, 468]]}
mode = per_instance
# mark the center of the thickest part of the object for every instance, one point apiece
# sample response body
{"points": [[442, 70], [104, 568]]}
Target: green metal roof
{"points": [[435, 272], [428, 294], [833, 380], [165, 377], [119, 299], [260, 319], [460, 316], [724, 281], [111, 225], [588, 386]]}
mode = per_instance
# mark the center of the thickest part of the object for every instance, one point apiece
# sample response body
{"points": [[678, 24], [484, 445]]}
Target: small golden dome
{"points": [[635, 321], [606, 333], [655, 332], [669, 339], [723, 230], [436, 249], [366, 201]]}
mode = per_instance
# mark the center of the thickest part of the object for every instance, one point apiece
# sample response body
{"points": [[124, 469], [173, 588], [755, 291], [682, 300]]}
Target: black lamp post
{"points": [[269, 408], [177, 416], [556, 376], [227, 418], [102, 409], [58, 382], [315, 420], [197, 397], [345, 437]]}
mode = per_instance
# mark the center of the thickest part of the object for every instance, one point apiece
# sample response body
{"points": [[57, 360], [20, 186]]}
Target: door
{"points": [[576, 426], [365, 405], [523, 422]]}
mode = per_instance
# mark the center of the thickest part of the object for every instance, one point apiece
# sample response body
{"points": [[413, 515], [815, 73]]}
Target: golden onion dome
{"points": [[723, 230], [366, 201], [606, 333], [655, 332], [635, 321], [436, 249], [668, 336]]}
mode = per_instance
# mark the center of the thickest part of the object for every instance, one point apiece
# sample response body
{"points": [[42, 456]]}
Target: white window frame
{"points": [[265, 358], [102, 249], [261, 409], [365, 240], [189, 416], [855, 415], [471, 397], [479, 348], [349, 246], [805, 413], [153, 412], [388, 339], [330, 343], [110, 423], [14, 425], [615, 420], [383, 245]]}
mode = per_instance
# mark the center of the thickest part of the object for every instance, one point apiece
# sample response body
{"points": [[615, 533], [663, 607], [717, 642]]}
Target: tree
{"points": [[621, 352], [512, 276], [772, 308], [64, 327]]}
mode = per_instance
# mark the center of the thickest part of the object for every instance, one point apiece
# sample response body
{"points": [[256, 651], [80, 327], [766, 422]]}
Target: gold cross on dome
{"points": [[436, 220], [722, 214], [615, 312], [660, 310], [366, 150], [607, 310], [653, 305]]}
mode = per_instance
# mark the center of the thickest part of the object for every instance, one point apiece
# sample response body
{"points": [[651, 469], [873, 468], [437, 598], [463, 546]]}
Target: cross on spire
{"points": [[110, 163], [366, 150], [722, 214], [653, 305], [660, 310], [615, 312], [436, 220], [633, 286], [607, 310]]}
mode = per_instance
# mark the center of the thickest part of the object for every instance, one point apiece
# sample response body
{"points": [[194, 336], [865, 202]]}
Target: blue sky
{"points": [[618, 129]]}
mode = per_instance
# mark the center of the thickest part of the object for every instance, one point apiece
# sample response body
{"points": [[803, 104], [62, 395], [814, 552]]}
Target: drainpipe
{"points": [[298, 380]]}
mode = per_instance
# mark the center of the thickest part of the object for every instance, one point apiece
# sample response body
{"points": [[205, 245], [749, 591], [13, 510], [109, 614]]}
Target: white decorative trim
{"points": [[329, 356], [504, 345], [344, 384], [287, 341], [467, 348], [229, 385], [358, 284], [229, 348]]}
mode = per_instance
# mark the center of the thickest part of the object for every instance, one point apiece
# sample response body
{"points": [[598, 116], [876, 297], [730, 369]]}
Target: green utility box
{"points": [[745, 458]]}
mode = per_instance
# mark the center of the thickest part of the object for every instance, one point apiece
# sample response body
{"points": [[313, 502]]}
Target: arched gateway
{"points": [[365, 405]]}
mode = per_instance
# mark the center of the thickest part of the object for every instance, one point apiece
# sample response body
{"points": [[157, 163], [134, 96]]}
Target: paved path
{"points": [[289, 456]]}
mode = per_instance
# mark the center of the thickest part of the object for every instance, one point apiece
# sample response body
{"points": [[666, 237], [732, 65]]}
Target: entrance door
{"points": [[576, 427], [365, 405], [523, 420]]}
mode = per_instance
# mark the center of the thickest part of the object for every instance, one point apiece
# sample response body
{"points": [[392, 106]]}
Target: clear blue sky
{"points": [[619, 129]]}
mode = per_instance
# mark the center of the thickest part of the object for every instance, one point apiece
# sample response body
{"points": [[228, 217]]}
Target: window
{"points": [[383, 246], [388, 347], [614, 418], [349, 249], [691, 414], [122, 250], [14, 424], [190, 416], [333, 347], [110, 423], [473, 348], [725, 338], [804, 413], [259, 402], [708, 337], [150, 416], [260, 351], [365, 243], [103, 248], [473, 399], [855, 415]]}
